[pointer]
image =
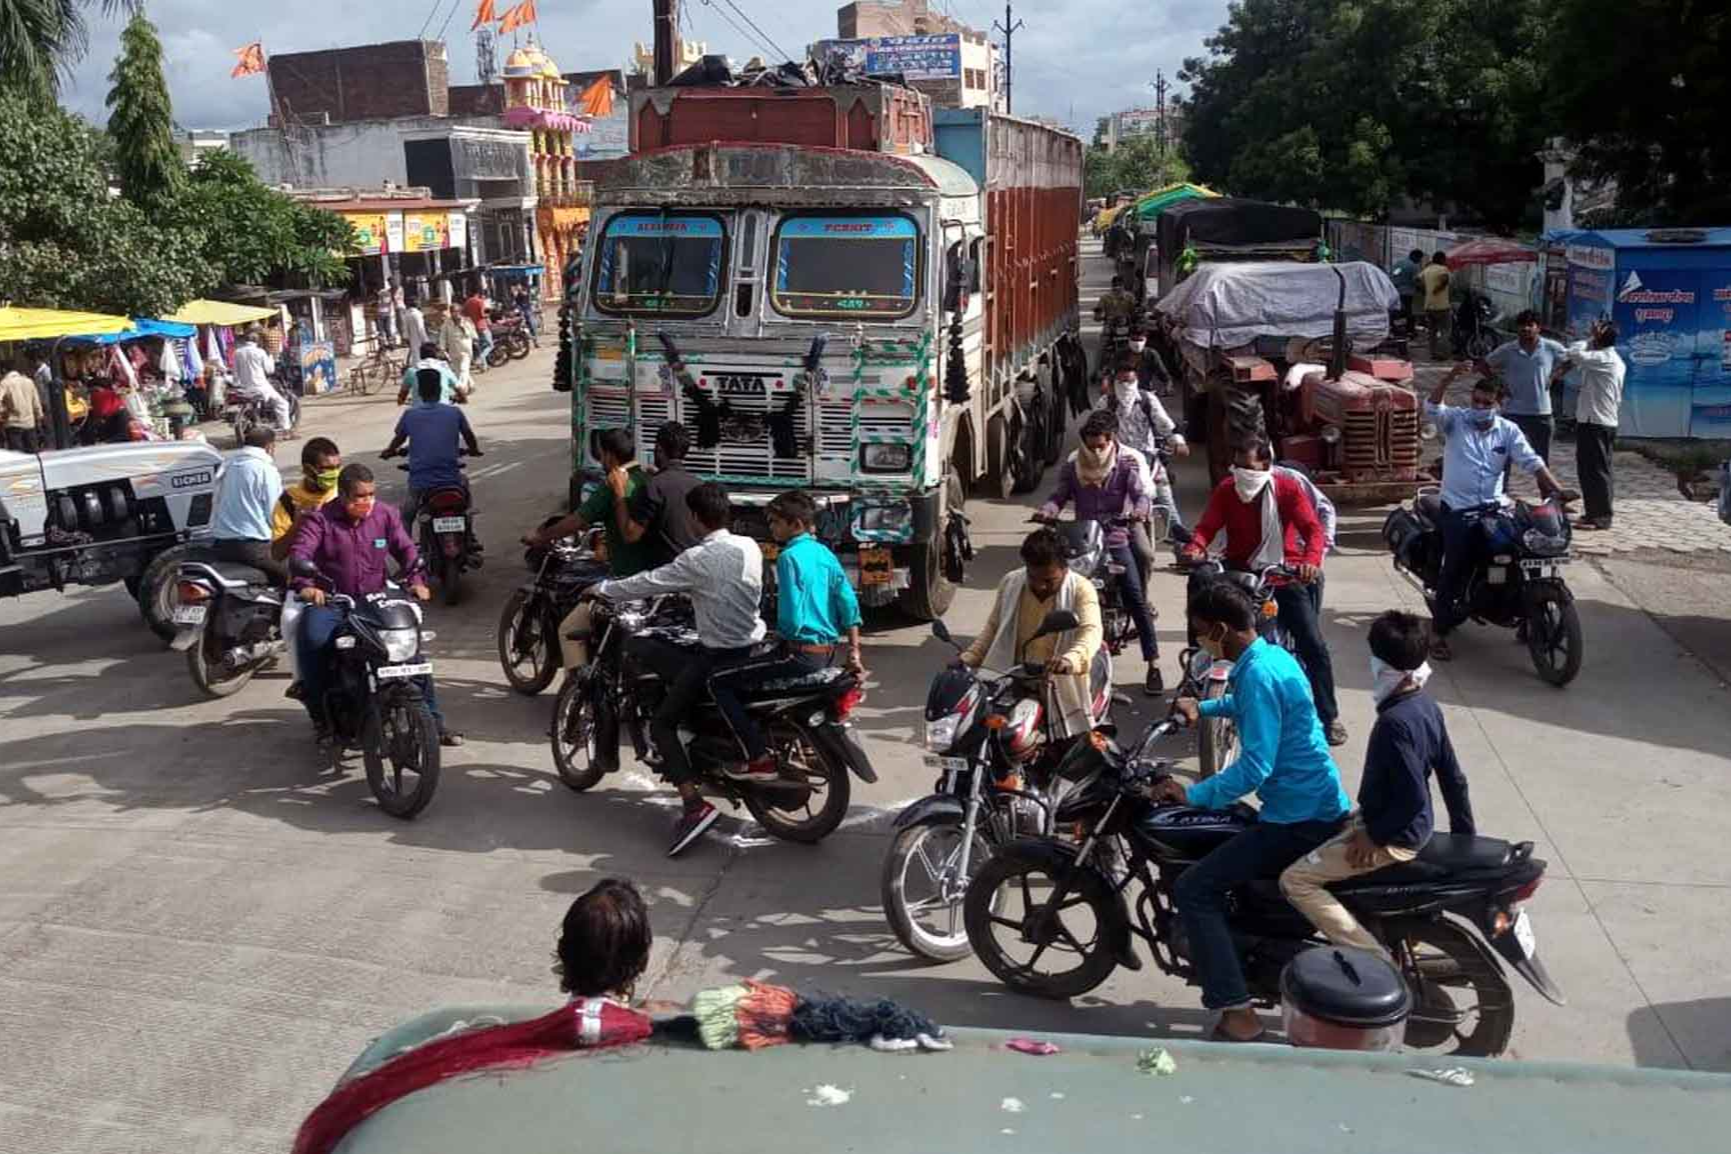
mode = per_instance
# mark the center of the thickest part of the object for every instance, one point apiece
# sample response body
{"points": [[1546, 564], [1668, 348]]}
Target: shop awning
{"points": [[141, 327], [19, 324], [204, 312], [1491, 250]]}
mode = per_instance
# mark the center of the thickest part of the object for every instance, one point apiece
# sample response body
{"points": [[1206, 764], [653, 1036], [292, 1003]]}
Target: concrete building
{"points": [[950, 62], [367, 82], [870, 18], [194, 144], [690, 52], [1134, 122]]}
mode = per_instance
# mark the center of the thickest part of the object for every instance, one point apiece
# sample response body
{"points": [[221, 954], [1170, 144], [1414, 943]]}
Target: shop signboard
{"points": [[318, 366], [457, 230], [394, 231], [426, 231], [370, 237], [914, 57]]}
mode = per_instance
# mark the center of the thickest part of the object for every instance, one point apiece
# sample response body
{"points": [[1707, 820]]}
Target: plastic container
{"points": [[1334, 998]]}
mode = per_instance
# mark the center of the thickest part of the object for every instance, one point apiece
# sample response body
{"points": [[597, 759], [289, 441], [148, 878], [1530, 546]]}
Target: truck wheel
{"points": [[156, 591], [1057, 413], [999, 481], [930, 590]]}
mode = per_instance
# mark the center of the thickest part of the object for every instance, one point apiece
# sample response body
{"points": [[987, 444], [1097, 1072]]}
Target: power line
{"points": [[751, 41], [774, 47], [454, 5], [428, 22]]}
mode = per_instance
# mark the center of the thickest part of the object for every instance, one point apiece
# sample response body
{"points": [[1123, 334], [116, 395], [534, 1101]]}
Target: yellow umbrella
{"points": [[203, 312], [19, 324]]}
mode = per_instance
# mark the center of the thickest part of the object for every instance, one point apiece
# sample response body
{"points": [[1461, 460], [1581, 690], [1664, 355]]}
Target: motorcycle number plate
{"points": [[449, 524], [189, 614], [876, 566], [1523, 930], [394, 672], [1542, 567], [948, 764]]}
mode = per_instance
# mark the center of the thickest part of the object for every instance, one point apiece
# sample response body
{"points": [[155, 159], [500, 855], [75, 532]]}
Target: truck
{"points": [[839, 289]]}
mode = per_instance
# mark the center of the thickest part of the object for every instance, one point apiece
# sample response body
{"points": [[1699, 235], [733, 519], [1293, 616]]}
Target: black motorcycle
{"points": [[1516, 577], [374, 702], [805, 718], [994, 747], [244, 414], [444, 532], [1205, 677], [1474, 331], [1050, 917], [528, 632], [228, 619], [1085, 555]]}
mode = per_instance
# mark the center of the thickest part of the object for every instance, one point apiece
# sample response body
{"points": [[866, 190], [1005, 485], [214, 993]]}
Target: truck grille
{"points": [[1381, 442]]}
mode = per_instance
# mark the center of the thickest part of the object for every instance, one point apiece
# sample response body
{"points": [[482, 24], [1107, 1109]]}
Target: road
{"points": [[199, 926]]}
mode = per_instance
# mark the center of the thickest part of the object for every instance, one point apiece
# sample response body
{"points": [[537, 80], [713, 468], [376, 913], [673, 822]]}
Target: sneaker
{"points": [[1156, 684], [691, 826], [757, 769], [1336, 732], [450, 739]]}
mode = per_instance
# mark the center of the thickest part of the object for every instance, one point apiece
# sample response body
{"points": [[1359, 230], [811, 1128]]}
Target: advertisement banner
{"points": [[426, 231], [394, 231], [370, 236], [1710, 399], [318, 366], [1656, 313], [457, 230], [916, 57]]}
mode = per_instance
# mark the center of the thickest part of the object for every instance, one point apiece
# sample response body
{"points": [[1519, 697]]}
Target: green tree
{"points": [[141, 118], [1356, 105], [252, 234], [1646, 98], [40, 40], [1137, 163]]}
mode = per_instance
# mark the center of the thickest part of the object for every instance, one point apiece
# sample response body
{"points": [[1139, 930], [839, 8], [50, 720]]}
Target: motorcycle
{"points": [[1446, 917], [1516, 575], [511, 341], [528, 633], [374, 702], [244, 414], [1085, 555], [806, 720], [1474, 326], [445, 534], [989, 737], [1205, 676], [228, 620]]}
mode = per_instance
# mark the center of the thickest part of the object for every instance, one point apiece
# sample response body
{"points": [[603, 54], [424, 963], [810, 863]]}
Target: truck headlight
{"points": [[1330, 434], [886, 458], [401, 644]]}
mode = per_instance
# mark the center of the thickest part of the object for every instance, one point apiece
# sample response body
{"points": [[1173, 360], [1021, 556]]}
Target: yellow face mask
{"points": [[322, 481]]}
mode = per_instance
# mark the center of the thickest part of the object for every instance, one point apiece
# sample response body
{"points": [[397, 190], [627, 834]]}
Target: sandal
{"points": [[1220, 1034], [1440, 650]]}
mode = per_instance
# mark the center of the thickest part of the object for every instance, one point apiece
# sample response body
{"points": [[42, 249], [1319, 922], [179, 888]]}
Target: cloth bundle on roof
{"points": [[754, 1015]]}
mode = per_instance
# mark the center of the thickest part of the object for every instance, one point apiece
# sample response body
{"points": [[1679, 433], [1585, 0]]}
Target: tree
{"points": [[1356, 106], [1137, 163], [1646, 99], [141, 118], [251, 234], [41, 39]]}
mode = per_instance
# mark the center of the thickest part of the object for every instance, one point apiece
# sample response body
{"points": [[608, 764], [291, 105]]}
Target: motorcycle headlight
{"points": [[941, 734], [1084, 563], [401, 644], [1543, 544], [886, 458]]}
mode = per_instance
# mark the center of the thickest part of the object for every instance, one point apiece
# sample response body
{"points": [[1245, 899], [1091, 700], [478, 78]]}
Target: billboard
{"points": [[914, 57]]}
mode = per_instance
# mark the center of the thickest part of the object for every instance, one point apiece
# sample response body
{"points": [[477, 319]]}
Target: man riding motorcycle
{"points": [[432, 357], [252, 369], [348, 542], [1283, 758], [432, 430], [246, 497]]}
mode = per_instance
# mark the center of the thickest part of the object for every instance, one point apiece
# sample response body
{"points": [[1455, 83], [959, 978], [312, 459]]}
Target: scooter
{"points": [[227, 618]]}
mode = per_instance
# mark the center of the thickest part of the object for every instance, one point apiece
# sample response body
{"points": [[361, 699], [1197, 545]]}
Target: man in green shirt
{"points": [[618, 455]]}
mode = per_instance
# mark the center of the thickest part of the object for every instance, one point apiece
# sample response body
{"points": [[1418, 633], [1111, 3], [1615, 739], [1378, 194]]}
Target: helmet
{"points": [[1022, 735]]}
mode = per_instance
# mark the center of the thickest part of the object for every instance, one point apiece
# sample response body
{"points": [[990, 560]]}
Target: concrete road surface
{"points": [[200, 926]]}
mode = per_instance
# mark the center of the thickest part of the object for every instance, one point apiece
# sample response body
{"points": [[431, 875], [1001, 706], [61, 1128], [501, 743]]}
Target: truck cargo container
{"points": [[831, 300]]}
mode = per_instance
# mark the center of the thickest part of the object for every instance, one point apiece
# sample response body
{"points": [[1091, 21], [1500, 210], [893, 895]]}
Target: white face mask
{"points": [[1386, 680], [1125, 392], [1250, 482], [1138, 346]]}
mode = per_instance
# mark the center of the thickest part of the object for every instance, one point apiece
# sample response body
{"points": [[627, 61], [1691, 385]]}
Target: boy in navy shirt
{"points": [[432, 430]]}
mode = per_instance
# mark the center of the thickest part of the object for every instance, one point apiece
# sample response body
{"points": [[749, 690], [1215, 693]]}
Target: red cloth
{"points": [[586, 1023], [1243, 524], [476, 310], [104, 402]]}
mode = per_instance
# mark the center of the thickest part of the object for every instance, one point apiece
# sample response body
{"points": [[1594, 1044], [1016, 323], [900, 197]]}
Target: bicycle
{"points": [[378, 369]]}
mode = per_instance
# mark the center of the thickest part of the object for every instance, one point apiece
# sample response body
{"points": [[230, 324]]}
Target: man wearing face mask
{"points": [[1142, 422], [1150, 370], [321, 462], [1269, 520], [1395, 819], [1479, 445]]}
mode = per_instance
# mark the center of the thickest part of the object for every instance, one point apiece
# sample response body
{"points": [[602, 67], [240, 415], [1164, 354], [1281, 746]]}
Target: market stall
{"points": [[45, 329]]}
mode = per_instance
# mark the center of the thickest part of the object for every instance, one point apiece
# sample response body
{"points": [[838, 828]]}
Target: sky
{"points": [[1075, 60]]}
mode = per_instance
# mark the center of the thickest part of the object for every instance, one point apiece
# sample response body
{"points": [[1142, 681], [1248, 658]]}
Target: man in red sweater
{"points": [[1269, 520]]}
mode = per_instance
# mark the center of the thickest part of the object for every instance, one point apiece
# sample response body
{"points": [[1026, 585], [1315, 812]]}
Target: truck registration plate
{"points": [[876, 566]]}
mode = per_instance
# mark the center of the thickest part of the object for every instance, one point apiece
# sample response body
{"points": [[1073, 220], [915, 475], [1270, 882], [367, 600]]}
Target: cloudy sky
{"points": [[1075, 59]]}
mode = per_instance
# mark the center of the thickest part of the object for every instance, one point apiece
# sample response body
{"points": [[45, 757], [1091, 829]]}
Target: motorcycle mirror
{"points": [[302, 567], [1058, 621], [942, 632]]}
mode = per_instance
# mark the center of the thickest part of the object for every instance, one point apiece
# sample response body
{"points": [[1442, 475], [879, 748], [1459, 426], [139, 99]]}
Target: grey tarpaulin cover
{"points": [[1230, 304]]}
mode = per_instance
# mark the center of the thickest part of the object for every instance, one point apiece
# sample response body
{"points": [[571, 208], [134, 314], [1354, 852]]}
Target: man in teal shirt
{"points": [[815, 608], [1283, 758]]}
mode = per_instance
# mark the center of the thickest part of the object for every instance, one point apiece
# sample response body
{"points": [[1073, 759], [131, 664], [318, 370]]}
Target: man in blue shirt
{"points": [[1478, 448], [1525, 365], [432, 431], [815, 607], [1283, 758], [247, 493]]}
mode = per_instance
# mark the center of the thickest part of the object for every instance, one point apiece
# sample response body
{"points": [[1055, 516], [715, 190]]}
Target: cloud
{"points": [[1074, 59]]}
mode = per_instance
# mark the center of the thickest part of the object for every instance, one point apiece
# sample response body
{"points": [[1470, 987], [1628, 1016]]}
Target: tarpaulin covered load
{"points": [[1161, 199], [1231, 304], [1227, 222]]}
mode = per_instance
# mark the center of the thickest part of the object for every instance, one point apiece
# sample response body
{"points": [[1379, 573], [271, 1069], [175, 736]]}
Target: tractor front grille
{"points": [[1381, 442]]}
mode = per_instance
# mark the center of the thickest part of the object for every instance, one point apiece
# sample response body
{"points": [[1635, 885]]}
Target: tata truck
{"points": [[842, 290]]}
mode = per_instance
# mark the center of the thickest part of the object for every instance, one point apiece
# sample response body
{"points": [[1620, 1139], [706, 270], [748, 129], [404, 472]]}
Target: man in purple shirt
{"points": [[350, 540]]}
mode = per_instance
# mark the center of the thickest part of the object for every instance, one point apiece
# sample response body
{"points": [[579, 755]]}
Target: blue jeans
{"points": [[1261, 851], [318, 626], [1130, 588], [1460, 534], [730, 685]]}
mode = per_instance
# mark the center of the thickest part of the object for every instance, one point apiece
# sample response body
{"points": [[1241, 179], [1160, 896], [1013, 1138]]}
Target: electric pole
{"points": [[1160, 113], [666, 40], [1009, 28]]}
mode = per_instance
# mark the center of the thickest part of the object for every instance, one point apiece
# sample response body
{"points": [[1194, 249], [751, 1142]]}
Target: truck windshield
{"points": [[866, 267], [666, 263]]}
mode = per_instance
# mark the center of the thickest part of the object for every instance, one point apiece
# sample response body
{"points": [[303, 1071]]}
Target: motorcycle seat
{"points": [[1445, 854], [1429, 506], [806, 683], [231, 572]]}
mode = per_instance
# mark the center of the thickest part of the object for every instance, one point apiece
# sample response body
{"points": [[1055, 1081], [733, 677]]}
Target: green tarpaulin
{"points": [[1151, 205]]}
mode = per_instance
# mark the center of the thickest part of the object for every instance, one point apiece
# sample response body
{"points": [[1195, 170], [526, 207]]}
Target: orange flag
{"points": [[251, 59], [527, 7], [597, 99], [483, 15], [511, 20]]}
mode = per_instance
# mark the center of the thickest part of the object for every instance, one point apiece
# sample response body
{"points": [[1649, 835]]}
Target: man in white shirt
{"points": [[723, 576], [1597, 414], [248, 490], [252, 369], [1142, 423], [414, 326]]}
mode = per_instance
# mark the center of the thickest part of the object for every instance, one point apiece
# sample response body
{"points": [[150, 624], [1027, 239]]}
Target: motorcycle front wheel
{"points": [[1462, 1003], [1028, 942], [1554, 637], [1217, 738], [576, 752], [923, 890], [811, 798], [528, 644], [498, 354], [211, 674], [406, 737]]}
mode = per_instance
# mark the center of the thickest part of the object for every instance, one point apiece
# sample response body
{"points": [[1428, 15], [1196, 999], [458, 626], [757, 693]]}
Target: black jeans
{"points": [[1460, 534], [1130, 588], [1261, 851], [1593, 446], [255, 553], [732, 683], [1300, 616], [22, 440], [685, 673], [1538, 431]]}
